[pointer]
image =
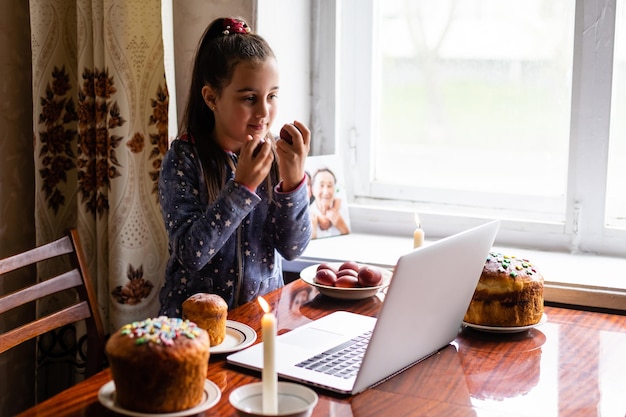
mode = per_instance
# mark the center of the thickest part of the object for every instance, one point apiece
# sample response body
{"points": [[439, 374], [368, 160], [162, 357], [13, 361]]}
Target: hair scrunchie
{"points": [[234, 26]]}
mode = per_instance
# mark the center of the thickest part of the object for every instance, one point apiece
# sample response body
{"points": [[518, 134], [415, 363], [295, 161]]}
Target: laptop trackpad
{"points": [[312, 338]]}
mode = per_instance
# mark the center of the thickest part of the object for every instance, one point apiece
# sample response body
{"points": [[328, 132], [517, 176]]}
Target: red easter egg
{"points": [[284, 135]]}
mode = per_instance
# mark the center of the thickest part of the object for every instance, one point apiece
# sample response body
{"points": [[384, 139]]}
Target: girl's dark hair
{"points": [[220, 50]]}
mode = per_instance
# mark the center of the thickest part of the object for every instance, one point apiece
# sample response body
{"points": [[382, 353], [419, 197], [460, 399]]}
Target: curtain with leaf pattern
{"points": [[100, 131]]}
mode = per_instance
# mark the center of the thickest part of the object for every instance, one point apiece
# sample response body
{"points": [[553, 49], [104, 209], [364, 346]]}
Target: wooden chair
{"points": [[77, 277]]}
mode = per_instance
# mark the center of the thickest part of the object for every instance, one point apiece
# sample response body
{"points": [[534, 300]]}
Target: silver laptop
{"points": [[422, 312]]}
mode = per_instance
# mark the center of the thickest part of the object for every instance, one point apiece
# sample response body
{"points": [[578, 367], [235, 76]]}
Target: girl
{"points": [[234, 199]]}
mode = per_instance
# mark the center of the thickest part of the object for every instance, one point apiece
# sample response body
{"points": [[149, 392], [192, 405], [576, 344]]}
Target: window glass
{"points": [[475, 95], [616, 192]]}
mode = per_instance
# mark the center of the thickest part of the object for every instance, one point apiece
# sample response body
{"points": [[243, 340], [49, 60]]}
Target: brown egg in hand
{"points": [[285, 135]]}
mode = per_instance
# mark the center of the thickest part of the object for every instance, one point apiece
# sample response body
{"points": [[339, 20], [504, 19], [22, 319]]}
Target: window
{"points": [[483, 108], [616, 194]]}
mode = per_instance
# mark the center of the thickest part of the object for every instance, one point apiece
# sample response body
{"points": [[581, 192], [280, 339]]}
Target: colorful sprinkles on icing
{"points": [[511, 265], [161, 330]]}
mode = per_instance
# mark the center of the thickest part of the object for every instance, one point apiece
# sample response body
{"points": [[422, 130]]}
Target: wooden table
{"points": [[573, 365]]}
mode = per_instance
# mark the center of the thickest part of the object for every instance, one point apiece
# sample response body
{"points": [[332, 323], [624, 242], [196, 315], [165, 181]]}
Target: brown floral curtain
{"points": [[100, 131]]}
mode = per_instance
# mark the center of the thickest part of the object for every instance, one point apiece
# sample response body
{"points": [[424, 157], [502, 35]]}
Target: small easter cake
{"points": [[159, 365], [209, 312], [509, 293]]}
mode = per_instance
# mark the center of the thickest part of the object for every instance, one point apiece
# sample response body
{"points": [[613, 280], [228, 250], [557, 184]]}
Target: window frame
{"points": [[583, 228]]}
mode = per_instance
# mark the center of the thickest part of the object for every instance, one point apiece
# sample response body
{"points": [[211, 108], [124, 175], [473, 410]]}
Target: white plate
{"points": [[212, 395], [238, 336], [500, 329], [308, 276]]}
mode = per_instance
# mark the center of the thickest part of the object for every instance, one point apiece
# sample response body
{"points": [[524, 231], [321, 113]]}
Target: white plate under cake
{"points": [[211, 396]]}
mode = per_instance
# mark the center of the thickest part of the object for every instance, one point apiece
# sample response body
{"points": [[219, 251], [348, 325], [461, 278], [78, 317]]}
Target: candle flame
{"points": [[264, 305], [417, 220]]}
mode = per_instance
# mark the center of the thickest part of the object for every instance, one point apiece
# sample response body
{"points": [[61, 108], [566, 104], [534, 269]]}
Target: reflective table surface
{"points": [[572, 365]]}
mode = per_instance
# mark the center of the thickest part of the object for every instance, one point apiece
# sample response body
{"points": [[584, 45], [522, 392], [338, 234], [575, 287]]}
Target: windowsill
{"points": [[581, 280]]}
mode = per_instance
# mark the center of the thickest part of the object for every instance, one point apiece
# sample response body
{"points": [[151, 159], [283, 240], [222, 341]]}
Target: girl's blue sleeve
{"points": [[292, 226]]}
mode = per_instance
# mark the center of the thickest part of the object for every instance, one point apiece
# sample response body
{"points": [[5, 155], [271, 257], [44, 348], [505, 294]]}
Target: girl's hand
{"points": [[255, 162], [292, 157]]}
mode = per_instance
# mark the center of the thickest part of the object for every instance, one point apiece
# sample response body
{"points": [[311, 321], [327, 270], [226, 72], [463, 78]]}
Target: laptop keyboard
{"points": [[343, 360]]}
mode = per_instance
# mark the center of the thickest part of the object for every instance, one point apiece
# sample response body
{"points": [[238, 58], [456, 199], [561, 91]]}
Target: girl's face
{"points": [[248, 105], [324, 187]]}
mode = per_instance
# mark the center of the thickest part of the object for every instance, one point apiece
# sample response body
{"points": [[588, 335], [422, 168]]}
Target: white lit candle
{"points": [[418, 234], [270, 379]]}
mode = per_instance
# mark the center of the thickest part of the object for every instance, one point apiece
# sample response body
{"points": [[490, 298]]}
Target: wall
{"points": [[16, 189], [286, 25]]}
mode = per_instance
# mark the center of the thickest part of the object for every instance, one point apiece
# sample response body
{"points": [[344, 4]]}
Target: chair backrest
{"points": [[77, 277]]}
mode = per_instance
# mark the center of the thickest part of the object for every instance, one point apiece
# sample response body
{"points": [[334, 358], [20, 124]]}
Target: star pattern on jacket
{"points": [[232, 246]]}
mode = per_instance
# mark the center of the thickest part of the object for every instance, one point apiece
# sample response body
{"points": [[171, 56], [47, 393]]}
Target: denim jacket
{"points": [[232, 247]]}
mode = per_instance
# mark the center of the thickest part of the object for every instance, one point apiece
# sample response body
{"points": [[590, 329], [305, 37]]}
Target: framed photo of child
{"points": [[328, 207]]}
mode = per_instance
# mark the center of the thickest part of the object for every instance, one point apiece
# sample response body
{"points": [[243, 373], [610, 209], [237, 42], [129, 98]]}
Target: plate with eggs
{"points": [[346, 280]]}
